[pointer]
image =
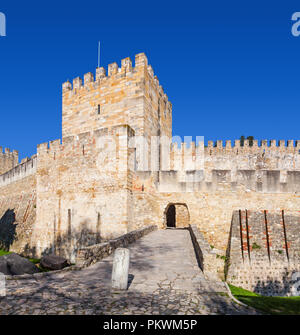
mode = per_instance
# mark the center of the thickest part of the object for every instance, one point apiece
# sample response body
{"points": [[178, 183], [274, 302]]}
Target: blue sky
{"points": [[229, 68]]}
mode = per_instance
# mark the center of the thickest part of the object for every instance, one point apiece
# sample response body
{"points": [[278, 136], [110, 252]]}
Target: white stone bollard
{"points": [[120, 269], [2, 285]]}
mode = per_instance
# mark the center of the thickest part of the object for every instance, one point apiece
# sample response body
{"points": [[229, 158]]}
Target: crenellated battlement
{"points": [[273, 155], [84, 144], [26, 168], [8, 159], [114, 72], [7, 151], [130, 94], [236, 147]]}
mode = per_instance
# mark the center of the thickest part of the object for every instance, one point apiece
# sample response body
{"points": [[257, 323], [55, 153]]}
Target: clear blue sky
{"points": [[230, 68]]}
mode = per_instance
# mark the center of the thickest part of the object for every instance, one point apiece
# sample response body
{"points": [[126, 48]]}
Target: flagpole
{"points": [[99, 54]]}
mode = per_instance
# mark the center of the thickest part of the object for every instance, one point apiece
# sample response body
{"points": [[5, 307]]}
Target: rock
{"points": [[18, 265], [3, 266], [53, 262]]}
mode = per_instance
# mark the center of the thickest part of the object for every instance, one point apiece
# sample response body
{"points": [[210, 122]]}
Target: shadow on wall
{"points": [[7, 229], [288, 285], [66, 244]]}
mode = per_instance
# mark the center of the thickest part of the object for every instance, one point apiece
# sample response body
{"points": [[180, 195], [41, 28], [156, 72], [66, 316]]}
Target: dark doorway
{"points": [[171, 217]]}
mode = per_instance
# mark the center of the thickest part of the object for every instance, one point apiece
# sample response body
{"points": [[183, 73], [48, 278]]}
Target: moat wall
{"points": [[264, 251]]}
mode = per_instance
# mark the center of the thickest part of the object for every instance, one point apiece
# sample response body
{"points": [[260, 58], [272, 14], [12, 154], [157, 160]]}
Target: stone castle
{"points": [[116, 170]]}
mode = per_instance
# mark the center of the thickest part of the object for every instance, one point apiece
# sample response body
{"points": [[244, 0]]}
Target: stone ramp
{"points": [[166, 258], [164, 279]]}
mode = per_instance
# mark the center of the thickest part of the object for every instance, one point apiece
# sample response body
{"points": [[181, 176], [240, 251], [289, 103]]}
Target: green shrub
{"points": [[255, 246]]}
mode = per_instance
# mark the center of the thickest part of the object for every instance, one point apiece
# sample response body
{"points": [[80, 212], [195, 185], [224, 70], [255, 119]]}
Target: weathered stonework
{"points": [[116, 170], [92, 254], [264, 251], [8, 160], [18, 214]]}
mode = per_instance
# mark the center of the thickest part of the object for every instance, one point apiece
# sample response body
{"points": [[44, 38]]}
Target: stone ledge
{"points": [[94, 253], [207, 258]]}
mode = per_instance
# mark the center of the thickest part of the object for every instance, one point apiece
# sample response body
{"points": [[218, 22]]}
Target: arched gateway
{"points": [[176, 216]]}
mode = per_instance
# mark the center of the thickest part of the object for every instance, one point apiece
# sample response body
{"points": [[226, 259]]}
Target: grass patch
{"points": [[34, 260], [3, 252], [268, 305]]}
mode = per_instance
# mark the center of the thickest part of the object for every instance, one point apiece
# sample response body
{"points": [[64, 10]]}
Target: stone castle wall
{"points": [[267, 169], [26, 168], [264, 251], [8, 160], [17, 203], [83, 190], [18, 214], [211, 211]]}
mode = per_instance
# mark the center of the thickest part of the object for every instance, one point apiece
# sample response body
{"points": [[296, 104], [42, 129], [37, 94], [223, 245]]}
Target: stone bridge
{"points": [[164, 279]]}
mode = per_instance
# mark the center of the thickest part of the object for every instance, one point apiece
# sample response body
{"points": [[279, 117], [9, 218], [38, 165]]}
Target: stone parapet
{"points": [[94, 253]]}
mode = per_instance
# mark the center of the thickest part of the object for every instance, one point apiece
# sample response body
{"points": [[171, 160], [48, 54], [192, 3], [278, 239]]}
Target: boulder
{"points": [[3, 266], [53, 262], [18, 265]]}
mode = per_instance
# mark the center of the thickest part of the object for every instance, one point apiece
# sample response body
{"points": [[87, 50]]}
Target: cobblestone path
{"points": [[164, 279]]}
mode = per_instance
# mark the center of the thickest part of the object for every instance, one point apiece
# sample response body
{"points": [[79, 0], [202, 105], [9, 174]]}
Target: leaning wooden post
{"points": [[120, 269]]}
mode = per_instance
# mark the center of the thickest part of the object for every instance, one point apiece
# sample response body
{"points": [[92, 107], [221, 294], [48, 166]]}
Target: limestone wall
{"points": [[267, 169], [26, 168], [126, 95], [8, 160], [210, 211], [82, 190], [17, 214], [264, 251]]}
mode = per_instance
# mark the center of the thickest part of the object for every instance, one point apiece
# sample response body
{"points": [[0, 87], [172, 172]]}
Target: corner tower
{"points": [[127, 95]]}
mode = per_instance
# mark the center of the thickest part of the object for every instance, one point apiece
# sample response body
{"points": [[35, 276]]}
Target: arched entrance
{"points": [[171, 217], [177, 216]]}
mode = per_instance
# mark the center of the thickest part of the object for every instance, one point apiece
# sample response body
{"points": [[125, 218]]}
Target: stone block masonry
{"points": [[8, 160], [83, 188], [18, 215], [264, 251], [264, 169], [90, 255], [26, 168], [127, 95]]}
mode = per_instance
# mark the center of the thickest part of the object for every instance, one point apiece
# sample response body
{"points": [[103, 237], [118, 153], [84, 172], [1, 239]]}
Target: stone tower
{"points": [[127, 95]]}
